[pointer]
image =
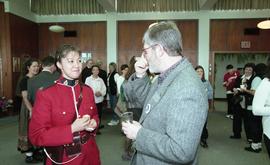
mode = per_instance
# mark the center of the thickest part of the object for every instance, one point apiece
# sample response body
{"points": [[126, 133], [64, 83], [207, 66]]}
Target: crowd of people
{"points": [[241, 90], [62, 105]]}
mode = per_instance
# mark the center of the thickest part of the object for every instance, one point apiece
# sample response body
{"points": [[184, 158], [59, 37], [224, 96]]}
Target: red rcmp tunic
{"points": [[54, 112]]}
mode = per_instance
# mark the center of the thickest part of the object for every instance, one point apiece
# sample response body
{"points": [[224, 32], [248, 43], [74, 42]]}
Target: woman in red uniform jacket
{"points": [[65, 119]]}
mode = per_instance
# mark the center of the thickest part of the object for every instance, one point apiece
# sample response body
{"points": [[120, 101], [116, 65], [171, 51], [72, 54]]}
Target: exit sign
{"points": [[245, 44]]}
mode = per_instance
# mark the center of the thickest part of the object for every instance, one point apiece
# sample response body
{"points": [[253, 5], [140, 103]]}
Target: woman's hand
{"points": [[80, 124], [92, 123]]}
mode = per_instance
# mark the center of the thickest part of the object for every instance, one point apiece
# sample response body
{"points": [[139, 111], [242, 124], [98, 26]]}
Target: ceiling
{"points": [[74, 7]]}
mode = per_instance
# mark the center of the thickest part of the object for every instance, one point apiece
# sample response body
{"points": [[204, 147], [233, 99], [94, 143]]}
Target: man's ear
{"points": [[160, 51]]}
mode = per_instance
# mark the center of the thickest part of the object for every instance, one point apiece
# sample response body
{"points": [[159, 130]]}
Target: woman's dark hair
{"points": [[63, 50], [230, 66], [260, 70], [124, 66], [27, 65], [268, 69], [249, 65], [131, 68], [200, 67]]}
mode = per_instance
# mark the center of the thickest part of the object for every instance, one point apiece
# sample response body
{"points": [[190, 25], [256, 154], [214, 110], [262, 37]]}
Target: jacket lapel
{"points": [[157, 91]]}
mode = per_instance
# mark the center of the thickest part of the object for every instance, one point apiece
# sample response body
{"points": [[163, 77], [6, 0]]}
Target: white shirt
{"points": [[254, 85], [261, 105], [97, 84], [119, 79]]}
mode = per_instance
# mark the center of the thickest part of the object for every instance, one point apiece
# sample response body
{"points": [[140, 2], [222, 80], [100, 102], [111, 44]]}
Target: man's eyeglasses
{"points": [[144, 50]]}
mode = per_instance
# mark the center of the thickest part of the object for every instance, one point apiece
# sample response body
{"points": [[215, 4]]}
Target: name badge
{"points": [[148, 108]]}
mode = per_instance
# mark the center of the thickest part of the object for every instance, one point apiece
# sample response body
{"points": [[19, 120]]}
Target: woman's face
{"points": [[248, 71], [71, 65], [95, 71], [124, 71], [200, 72], [34, 68]]}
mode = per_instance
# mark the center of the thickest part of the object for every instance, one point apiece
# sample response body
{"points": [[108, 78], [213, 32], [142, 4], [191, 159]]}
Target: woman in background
{"points": [[112, 91], [31, 68], [99, 89], [261, 106], [255, 122], [199, 69]]}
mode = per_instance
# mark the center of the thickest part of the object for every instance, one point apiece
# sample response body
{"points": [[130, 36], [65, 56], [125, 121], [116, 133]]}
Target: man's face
{"points": [[89, 63], [150, 54]]}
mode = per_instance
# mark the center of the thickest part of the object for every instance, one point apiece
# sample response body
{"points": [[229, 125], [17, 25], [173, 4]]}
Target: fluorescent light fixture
{"points": [[264, 24], [56, 28]]}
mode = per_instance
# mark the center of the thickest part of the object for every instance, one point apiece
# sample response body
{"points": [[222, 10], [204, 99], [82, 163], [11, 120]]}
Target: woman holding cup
{"points": [[65, 118]]}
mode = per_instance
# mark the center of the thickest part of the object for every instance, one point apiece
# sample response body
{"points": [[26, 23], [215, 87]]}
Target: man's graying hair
{"points": [[167, 35]]}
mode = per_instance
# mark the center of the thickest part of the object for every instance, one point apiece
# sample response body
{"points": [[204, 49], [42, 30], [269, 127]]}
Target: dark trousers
{"points": [[248, 123], [237, 120], [255, 125], [99, 109], [230, 104], [204, 135], [267, 144], [239, 115]]}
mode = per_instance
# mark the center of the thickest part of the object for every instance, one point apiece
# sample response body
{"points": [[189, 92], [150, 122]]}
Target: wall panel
{"points": [[130, 34], [24, 43], [5, 58], [226, 35], [91, 37], [18, 38]]}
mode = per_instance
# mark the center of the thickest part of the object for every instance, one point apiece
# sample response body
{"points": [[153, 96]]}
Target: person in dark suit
{"points": [[44, 79], [102, 73], [112, 91], [87, 71]]}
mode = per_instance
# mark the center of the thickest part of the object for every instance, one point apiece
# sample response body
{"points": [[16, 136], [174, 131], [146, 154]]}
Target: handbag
{"points": [[55, 152], [74, 148]]}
